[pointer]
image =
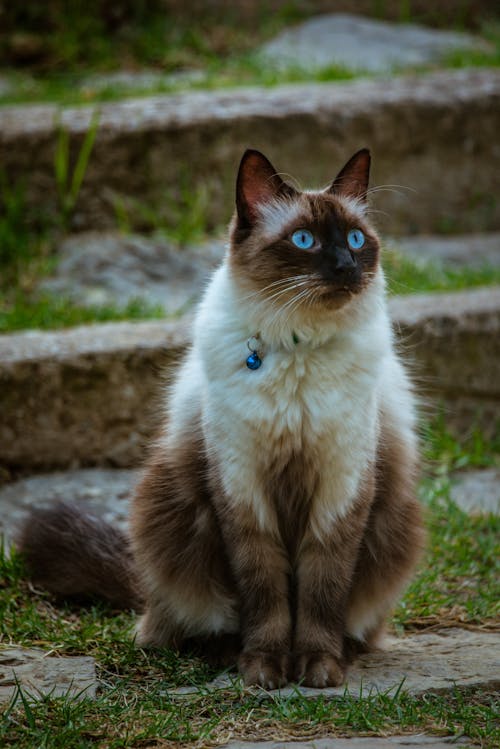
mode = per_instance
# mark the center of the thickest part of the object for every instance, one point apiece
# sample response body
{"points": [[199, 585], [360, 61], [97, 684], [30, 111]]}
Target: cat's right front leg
{"points": [[261, 570]]}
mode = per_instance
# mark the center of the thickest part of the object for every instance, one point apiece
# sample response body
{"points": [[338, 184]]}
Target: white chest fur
{"points": [[320, 395]]}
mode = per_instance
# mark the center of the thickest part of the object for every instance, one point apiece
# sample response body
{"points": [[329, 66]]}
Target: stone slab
{"points": [[469, 250], [356, 742], [416, 663], [105, 492], [41, 674], [422, 131], [110, 268], [92, 395], [477, 491], [363, 44], [84, 396], [451, 342], [124, 81]]}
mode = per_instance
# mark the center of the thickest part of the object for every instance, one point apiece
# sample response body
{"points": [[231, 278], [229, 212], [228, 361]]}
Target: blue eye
{"points": [[303, 239], [355, 239]]}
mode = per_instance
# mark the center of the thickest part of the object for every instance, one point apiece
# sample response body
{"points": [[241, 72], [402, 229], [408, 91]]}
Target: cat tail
{"points": [[73, 553]]}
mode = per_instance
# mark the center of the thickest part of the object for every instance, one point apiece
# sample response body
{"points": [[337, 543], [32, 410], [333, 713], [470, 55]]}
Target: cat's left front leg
{"points": [[260, 568], [325, 568]]}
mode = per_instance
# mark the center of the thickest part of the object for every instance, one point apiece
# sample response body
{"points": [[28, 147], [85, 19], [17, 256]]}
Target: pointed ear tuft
{"points": [[352, 180], [257, 182]]}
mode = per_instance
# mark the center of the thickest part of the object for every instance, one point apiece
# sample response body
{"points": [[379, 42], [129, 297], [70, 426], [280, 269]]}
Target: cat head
{"points": [[319, 244]]}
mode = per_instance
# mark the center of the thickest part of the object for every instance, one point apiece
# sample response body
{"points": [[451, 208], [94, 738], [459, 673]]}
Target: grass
{"points": [[245, 70], [69, 181], [182, 215], [153, 720], [49, 312], [28, 246], [457, 583], [462, 568], [219, 52], [473, 59], [76, 35], [23, 239], [407, 275]]}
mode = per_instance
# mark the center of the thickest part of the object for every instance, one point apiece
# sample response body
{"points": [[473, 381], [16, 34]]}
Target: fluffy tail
{"points": [[73, 553]]}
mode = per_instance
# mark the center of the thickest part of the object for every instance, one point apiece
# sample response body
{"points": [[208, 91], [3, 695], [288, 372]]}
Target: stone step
{"points": [[83, 396], [459, 251], [407, 741], [110, 268], [91, 395], [477, 491], [416, 664], [363, 44], [103, 491], [422, 129], [41, 674]]}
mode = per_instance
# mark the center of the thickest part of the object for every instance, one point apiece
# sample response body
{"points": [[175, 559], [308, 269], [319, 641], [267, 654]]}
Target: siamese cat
{"points": [[276, 522]]}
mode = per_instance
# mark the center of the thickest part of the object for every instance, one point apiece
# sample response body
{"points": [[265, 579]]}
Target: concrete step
{"points": [[103, 491], [477, 491], [420, 662], [423, 132], [83, 396], [91, 395], [459, 251]]}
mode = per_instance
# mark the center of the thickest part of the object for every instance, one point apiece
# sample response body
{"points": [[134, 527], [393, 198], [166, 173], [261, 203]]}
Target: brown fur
{"points": [[288, 594], [175, 532], [394, 537], [71, 552]]}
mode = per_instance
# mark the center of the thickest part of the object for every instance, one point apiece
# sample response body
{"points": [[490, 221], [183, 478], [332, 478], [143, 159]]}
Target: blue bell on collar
{"points": [[253, 361]]}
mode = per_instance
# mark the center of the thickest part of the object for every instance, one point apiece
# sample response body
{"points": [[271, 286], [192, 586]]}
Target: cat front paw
{"points": [[268, 670], [319, 670]]}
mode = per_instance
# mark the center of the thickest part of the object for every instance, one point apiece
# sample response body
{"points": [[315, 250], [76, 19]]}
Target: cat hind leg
{"points": [[180, 553]]}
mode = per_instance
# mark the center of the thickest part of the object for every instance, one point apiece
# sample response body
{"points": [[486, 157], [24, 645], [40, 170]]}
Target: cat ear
{"points": [[352, 180], [257, 182]]}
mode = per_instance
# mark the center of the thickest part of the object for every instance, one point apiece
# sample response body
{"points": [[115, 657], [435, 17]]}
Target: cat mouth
{"points": [[333, 290]]}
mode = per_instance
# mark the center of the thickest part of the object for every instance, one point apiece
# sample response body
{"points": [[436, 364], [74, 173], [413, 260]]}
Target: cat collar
{"points": [[254, 345]]}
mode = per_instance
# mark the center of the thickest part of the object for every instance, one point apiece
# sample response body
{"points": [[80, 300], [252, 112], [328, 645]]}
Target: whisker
{"points": [[290, 179], [280, 281], [289, 307], [376, 210], [286, 290], [390, 188]]}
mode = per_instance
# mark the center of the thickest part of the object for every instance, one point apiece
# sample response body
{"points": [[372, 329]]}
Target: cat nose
{"points": [[343, 261]]}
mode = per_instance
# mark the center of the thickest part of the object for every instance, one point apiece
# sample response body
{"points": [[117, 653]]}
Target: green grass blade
{"points": [[82, 161]]}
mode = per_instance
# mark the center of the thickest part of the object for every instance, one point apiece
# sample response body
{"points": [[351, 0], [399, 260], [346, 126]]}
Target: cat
{"points": [[276, 522]]}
